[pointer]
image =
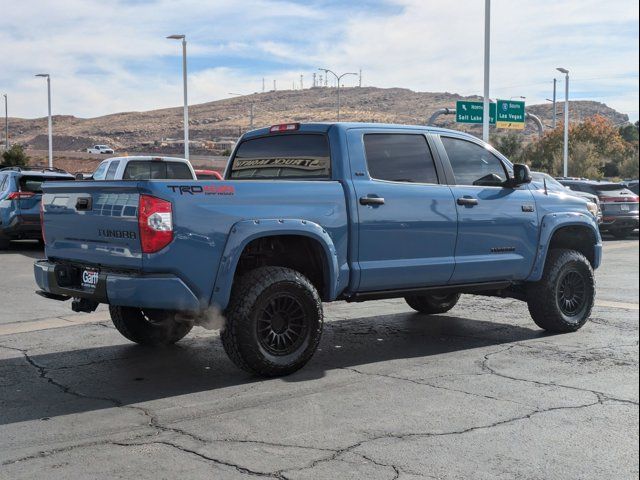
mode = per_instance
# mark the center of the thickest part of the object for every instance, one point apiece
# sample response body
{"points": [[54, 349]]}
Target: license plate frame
{"points": [[624, 207], [89, 278]]}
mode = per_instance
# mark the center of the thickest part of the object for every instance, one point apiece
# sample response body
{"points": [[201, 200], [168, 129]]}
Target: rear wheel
{"points": [[274, 322], [562, 300], [622, 232], [433, 303], [149, 326]]}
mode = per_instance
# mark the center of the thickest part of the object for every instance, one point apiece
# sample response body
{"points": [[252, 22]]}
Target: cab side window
{"points": [[473, 164], [111, 171], [399, 158]]}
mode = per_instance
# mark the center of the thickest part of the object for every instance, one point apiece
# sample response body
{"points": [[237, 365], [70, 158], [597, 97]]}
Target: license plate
{"points": [[89, 278], [624, 208]]}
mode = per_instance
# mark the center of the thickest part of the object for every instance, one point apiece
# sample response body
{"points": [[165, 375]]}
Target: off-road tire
{"points": [[432, 303], [545, 297], [246, 330], [621, 233], [150, 327]]}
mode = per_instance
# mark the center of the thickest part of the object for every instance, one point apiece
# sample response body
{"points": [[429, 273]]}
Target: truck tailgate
{"points": [[93, 223]]}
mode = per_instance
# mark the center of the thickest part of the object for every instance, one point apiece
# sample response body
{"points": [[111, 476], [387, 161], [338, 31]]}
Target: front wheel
{"points": [[433, 303], [274, 322], [149, 326], [562, 300]]}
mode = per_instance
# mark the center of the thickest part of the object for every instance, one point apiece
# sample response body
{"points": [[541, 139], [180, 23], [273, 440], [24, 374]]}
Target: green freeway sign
{"points": [[510, 114], [471, 112]]}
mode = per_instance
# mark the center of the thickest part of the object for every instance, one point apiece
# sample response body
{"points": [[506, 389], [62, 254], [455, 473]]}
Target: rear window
{"points": [[33, 183], [283, 157], [156, 170], [612, 187]]}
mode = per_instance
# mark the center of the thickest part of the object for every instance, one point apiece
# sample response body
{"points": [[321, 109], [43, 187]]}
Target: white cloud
{"points": [[111, 56]]}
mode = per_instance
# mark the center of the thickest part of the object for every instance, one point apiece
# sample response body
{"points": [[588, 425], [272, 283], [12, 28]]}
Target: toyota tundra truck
{"points": [[314, 213]]}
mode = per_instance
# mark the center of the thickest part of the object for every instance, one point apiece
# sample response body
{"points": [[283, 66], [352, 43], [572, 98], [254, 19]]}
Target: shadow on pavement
{"points": [[107, 376]]}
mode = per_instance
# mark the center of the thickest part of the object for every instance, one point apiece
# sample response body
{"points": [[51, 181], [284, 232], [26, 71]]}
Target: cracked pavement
{"points": [[478, 393]]}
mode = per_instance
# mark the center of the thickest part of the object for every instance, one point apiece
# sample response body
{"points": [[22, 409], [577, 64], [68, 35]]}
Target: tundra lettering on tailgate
{"points": [[108, 233]]}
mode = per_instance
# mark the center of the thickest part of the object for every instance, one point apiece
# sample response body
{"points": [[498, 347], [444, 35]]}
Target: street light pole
{"points": [[338, 78], [184, 86], [554, 104], [250, 109], [6, 124], [487, 49], [48, 77], [565, 150]]}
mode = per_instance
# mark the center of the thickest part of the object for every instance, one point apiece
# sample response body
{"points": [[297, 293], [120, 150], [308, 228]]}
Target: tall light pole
{"points": [[338, 78], [555, 115], [6, 123], [46, 75], [184, 86], [565, 150], [487, 50]]}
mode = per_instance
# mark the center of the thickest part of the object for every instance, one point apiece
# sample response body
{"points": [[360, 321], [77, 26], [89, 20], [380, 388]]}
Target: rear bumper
{"points": [[127, 290], [622, 221], [22, 227]]}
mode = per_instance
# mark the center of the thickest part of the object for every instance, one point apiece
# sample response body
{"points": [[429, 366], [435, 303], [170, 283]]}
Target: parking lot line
{"points": [[623, 305], [55, 322]]}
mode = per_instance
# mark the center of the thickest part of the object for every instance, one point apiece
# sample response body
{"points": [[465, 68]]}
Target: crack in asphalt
{"points": [[155, 423]]}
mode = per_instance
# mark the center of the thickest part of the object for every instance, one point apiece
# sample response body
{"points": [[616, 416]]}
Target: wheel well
{"points": [[579, 238], [297, 252]]}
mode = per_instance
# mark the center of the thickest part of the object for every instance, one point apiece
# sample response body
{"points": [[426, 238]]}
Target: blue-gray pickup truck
{"points": [[313, 213]]}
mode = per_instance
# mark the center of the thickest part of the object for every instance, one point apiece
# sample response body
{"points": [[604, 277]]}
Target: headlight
{"points": [[593, 209]]}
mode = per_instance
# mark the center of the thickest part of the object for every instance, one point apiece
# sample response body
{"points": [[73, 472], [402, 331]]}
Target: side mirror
{"points": [[521, 175]]}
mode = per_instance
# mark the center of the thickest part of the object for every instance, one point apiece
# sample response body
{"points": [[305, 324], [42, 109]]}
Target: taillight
{"points": [[628, 199], [155, 222], [19, 195], [44, 239], [284, 127]]}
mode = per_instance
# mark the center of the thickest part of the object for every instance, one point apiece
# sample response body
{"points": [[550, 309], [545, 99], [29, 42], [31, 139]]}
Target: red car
{"points": [[208, 175]]}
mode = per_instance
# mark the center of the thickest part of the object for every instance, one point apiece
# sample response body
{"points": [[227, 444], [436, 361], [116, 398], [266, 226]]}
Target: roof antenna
{"points": [[544, 181]]}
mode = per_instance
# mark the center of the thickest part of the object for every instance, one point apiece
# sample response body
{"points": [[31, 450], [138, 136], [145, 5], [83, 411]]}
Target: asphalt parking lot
{"points": [[478, 393]]}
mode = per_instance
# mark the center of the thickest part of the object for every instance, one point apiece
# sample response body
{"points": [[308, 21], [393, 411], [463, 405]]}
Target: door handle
{"points": [[467, 201], [371, 201]]}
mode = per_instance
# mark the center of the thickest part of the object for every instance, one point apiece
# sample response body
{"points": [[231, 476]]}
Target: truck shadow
{"points": [[27, 248], [42, 386]]}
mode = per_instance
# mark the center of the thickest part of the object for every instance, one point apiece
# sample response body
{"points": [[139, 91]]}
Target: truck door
{"points": [[497, 226], [406, 218]]}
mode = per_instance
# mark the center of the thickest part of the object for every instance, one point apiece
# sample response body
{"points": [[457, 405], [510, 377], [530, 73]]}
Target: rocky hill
{"points": [[141, 131]]}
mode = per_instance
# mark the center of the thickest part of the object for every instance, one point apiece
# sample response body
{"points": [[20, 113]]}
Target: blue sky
{"points": [[107, 57]]}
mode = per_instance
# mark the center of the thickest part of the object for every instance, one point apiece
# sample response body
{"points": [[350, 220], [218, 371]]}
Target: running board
{"points": [[461, 288]]}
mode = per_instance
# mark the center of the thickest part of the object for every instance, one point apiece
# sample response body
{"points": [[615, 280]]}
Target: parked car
{"points": [[144, 168], [20, 195], [100, 149], [315, 213], [544, 180], [619, 205], [208, 175]]}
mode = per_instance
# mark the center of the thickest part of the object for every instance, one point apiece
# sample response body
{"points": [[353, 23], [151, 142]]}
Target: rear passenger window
{"points": [[473, 164], [111, 171], [399, 158], [283, 157], [156, 170], [100, 171]]}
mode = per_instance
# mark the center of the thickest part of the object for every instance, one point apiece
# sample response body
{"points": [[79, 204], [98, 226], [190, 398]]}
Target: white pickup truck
{"points": [[100, 149], [144, 168]]}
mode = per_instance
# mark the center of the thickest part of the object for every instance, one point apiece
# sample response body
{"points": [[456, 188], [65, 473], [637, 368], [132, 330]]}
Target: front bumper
{"points": [[162, 291]]}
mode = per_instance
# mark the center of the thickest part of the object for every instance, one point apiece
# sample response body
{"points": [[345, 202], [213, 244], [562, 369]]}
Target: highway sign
{"points": [[511, 114], [471, 112]]}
